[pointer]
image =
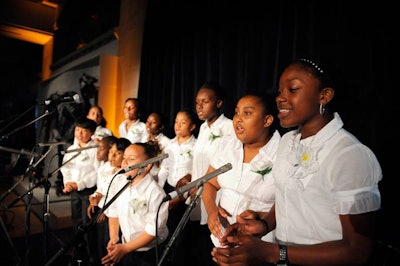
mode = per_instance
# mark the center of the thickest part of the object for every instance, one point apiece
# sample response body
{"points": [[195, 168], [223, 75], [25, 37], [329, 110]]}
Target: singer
{"points": [[252, 153], [79, 178], [135, 210]]}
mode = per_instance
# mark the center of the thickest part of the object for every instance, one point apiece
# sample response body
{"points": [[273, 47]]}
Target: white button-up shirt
{"points": [[136, 209], [319, 178]]}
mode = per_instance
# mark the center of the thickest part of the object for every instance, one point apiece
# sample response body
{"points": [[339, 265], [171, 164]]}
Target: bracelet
{"points": [[283, 258]]}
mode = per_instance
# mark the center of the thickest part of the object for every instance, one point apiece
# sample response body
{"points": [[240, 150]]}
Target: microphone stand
{"points": [[84, 228], [182, 223], [13, 121], [32, 154], [46, 202], [46, 113], [31, 185]]}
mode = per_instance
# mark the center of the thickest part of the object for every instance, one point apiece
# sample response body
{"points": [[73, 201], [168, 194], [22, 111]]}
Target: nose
{"points": [[237, 117], [280, 97]]}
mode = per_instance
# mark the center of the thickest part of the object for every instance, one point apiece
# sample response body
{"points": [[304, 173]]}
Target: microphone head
{"points": [[76, 98]]}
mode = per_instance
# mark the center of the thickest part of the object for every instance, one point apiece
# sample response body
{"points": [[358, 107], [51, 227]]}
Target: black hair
{"points": [[219, 91], [86, 123], [103, 121], [122, 143], [151, 148], [161, 116], [189, 114], [326, 72], [269, 104], [138, 105], [110, 140], [320, 68]]}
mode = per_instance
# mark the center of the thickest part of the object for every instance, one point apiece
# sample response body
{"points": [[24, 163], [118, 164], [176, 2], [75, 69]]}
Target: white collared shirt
{"points": [[319, 178], [242, 188], [204, 151], [136, 133], [136, 209], [83, 168], [178, 163]]}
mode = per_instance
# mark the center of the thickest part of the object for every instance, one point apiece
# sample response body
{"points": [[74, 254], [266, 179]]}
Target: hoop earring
{"points": [[322, 109]]}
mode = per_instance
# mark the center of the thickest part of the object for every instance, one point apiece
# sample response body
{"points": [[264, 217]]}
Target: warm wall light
{"points": [[50, 4], [27, 35], [46, 40]]}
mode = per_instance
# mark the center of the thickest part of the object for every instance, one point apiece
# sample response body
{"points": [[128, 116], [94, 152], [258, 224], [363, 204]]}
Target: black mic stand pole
{"points": [[84, 228], [182, 223], [46, 201], [32, 186], [46, 113], [14, 120]]}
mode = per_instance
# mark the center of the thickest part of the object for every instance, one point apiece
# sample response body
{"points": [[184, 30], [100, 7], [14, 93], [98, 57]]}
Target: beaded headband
{"points": [[313, 64]]}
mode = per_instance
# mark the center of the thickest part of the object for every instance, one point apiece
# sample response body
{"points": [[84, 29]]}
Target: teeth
{"points": [[283, 110]]}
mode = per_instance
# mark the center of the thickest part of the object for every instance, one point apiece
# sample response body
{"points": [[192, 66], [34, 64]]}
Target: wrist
{"points": [[283, 257]]}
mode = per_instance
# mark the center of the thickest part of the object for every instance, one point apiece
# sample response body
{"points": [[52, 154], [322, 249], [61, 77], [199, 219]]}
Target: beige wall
{"points": [[126, 68]]}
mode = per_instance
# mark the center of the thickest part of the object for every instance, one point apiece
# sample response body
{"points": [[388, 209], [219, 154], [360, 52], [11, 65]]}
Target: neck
{"points": [[211, 120]]}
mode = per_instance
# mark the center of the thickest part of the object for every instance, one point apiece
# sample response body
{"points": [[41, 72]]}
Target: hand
{"points": [[95, 198], [91, 209], [243, 227], [101, 218], [115, 253], [174, 202], [183, 181], [250, 226], [70, 186], [243, 250], [217, 222]]}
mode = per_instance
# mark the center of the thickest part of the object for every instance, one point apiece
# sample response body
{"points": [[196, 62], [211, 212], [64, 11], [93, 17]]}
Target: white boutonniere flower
{"points": [[139, 206], [261, 167], [136, 130], [216, 133], [186, 153]]}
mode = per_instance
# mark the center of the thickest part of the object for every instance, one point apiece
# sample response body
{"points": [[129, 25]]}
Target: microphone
{"points": [[197, 183], [52, 143], [24, 152], [79, 150], [143, 164], [66, 99]]}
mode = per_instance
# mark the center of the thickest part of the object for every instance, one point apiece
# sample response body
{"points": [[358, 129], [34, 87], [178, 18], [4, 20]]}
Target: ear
{"points": [[192, 127], [268, 119], [219, 103], [148, 168], [326, 95]]}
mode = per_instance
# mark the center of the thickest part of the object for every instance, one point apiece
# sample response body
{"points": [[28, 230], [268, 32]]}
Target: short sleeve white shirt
{"points": [[242, 188], [208, 141], [178, 163], [319, 178], [81, 167], [136, 133], [136, 209]]}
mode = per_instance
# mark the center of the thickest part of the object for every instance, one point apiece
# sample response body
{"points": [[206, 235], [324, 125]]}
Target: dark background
{"points": [[244, 47]]}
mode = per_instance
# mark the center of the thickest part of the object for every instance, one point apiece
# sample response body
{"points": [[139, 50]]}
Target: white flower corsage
{"points": [[139, 206], [216, 133], [136, 130], [84, 158], [187, 153], [261, 167]]}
